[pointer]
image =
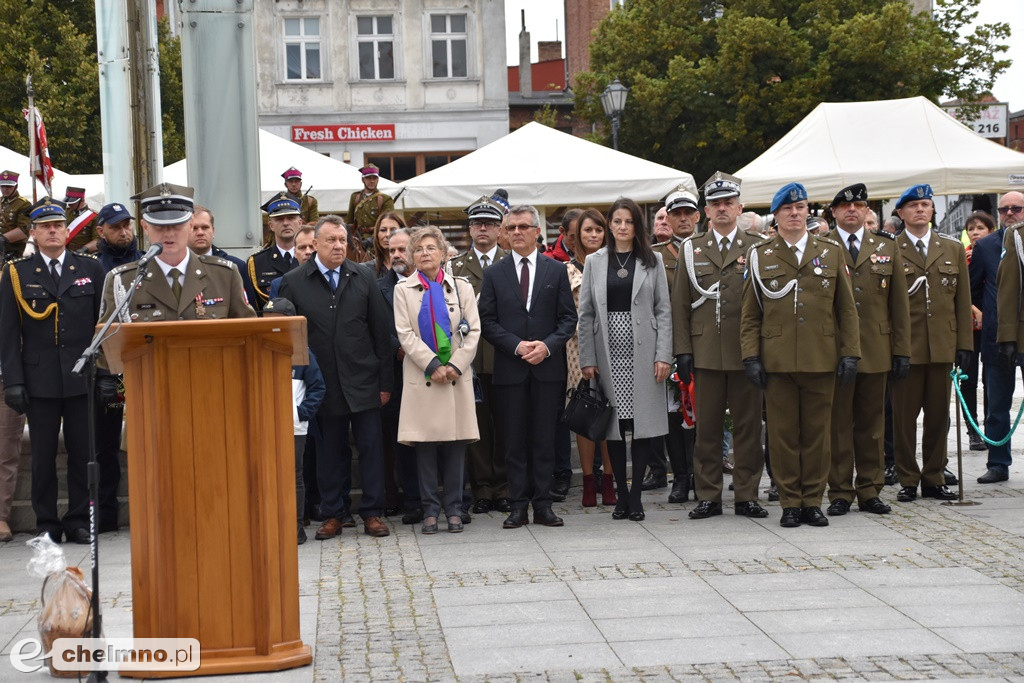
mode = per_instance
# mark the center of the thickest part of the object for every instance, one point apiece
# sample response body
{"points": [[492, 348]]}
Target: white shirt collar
{"points": [[489, 254], [60, 259], [323, 268], [290, 252], [731, 236], [181, 265], [532, 258], [859, 232]]}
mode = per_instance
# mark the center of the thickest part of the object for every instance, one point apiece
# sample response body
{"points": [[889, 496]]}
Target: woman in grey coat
{"points": [[625, 335]]}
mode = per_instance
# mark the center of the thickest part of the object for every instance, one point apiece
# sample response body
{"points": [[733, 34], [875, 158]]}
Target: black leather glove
{"points": [[900, 367], [963, 359], [106, 389], [684, 367], [847, 370], [16, 398], [1007, 353], [755, 372]]}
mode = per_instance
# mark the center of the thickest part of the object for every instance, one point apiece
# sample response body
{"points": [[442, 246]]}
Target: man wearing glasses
{"points": [[998, 381], [527, 313]]}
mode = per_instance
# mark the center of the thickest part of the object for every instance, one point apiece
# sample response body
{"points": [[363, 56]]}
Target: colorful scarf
{"points": [[435, 326]]}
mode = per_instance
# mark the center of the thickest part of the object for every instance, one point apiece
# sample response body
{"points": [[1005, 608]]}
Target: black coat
{"points": [[30, 353], [260, 270], [506, 322], [111, 257], [348, 330], [985, 257]]}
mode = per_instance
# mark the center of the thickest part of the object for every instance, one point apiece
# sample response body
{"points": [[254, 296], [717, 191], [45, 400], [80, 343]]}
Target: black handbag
{"points": [[587, 412]]}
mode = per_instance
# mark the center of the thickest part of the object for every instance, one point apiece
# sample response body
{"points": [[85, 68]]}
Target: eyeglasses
{"points": [[1010, 209], [429, 249], [512, 227], [485, 224]]}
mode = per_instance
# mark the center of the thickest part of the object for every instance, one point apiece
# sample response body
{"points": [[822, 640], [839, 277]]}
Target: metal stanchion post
{"points": [[959, 459]]}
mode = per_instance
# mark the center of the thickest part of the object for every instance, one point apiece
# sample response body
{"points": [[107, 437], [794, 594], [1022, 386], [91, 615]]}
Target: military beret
{"points": [[292, 173], [914, 193], [166, 204], [721, 186], [857, 192], [486, 208], [280, 306], [8, 179], [283, 206], [789, 194], [47, 210], [113, 213]]}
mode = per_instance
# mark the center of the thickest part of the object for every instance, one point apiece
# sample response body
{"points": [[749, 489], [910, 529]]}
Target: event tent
{"points": [[889, 145], [13, 161], [331, 181], [542, 166]]}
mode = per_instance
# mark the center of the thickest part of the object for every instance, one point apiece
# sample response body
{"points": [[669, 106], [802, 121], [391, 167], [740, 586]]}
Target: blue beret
{"points": [[282, 206], [47, 210], [914, 193], [789, 194]]}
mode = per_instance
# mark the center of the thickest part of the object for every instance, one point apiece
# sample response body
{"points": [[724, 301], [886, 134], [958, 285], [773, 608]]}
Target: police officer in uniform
{"points": [[706, 301], [799, 335], [367, 204], [270, 263], [14, 216], [858, 408], [308, 208], [84, 235], [942, 333], [178, 285], [681, 215], [486, 462], [49, 305]]}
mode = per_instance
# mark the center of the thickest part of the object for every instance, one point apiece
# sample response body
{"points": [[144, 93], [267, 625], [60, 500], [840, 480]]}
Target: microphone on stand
{"points": [[153, 252]]}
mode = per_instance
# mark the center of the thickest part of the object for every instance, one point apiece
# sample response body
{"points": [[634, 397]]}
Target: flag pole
{"points": [[31, 134]]}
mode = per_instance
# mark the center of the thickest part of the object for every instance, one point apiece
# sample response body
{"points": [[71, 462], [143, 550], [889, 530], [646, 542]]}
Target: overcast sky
{"points": [[545, 21]]}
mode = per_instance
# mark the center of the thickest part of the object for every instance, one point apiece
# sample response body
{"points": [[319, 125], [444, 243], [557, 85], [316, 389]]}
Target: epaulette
{"points": [[124, 268], [950, 237], [827, 239], [661, 244], [764, 243], [18, 260], [883, 233], [216, 260], [263, 250], [755, 233]]}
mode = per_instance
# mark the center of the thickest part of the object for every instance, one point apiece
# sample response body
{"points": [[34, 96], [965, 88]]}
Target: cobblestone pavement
{"points": [[928, 592]]}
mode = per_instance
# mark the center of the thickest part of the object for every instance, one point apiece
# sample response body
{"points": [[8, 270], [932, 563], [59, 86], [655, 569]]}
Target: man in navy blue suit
{"points": [[527, 313]]}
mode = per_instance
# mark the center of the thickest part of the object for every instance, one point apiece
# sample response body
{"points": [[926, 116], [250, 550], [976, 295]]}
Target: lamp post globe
{"points": [[613, 100]]}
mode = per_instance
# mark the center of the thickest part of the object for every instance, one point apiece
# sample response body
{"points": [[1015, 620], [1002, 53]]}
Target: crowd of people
{"points": [[810, 343]]}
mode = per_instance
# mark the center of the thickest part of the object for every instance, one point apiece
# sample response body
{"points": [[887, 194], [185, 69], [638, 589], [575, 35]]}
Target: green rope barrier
{"points": [[958, 377]]}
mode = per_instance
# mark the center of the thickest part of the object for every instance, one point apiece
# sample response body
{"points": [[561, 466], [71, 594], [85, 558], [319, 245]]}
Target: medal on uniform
{"points": [[954, 282], [883, 283], [874, 258], [945, 281], [767, 252], [824, 251], [824, 283], [817, 271], [200, 308], [774, 284]]}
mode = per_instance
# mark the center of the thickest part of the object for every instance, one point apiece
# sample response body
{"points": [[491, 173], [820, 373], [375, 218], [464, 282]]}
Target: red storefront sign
{"points": [[368, 132]]}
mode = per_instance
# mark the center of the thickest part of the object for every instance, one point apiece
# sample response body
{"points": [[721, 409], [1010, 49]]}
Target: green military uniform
{"points": [[707, 297], [86, 234], [308, 208], [14, 215], [858, 409], [488, 476], [210, 290], [1008, 302], [940, 323], [799, 319], [669, 251], [365, 207]]}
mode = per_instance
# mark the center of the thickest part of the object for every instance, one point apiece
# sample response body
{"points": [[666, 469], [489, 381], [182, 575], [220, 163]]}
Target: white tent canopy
{"points": [[331, 181], [889, 145], [545, 167], [13, 161]]}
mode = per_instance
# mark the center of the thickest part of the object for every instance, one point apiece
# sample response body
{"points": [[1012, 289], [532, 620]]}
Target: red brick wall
{"points": [[581, 18]]}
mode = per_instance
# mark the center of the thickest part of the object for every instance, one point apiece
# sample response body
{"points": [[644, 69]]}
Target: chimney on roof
{"points": [[525, 70], [549, 50]]}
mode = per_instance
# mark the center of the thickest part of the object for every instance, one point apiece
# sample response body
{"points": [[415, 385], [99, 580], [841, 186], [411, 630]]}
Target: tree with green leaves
{"points": [[713, 83]]}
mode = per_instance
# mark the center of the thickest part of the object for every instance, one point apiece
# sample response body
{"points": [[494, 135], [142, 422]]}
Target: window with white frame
{"points": [[302, 49], [448, 42], [376, 44]]}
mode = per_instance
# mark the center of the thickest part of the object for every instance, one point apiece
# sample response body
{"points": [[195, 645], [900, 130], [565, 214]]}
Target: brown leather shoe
{"points": [[330, 528], [375, 526], [5, 532]]}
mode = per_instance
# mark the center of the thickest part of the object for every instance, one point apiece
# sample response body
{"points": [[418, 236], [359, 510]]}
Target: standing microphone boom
{"points": [[153, 252]]}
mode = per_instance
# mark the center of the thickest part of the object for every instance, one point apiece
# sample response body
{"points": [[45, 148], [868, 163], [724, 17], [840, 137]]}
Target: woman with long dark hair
{"points": [[387, 222]]}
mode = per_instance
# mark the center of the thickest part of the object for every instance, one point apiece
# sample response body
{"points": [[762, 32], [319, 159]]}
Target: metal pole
{"points": [[31, 134], [115, 105], [615, 132]]}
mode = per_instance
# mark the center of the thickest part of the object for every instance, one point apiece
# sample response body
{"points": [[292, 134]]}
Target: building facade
{"points": [[408, 85]]}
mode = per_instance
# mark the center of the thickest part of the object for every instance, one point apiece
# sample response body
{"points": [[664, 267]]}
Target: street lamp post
{"points": [[613, 99]]}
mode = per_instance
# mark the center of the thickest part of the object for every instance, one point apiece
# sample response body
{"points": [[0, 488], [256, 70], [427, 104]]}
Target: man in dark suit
{"points": [[527, 313], [349, 328], [49, 305]]}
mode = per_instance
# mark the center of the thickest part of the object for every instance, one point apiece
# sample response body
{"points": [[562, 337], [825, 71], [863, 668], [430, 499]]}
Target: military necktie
{"points": [[484, 261], [796, 253], [920, 248], [288, 259], [332, 280], [174, 274], [725, 246], [54, 272], [854, 251]]}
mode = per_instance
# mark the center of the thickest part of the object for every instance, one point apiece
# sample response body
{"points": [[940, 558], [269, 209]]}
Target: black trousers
{"points": [[108, 448], [530, 412], [334, 463], [641, 451], [46, 416]]}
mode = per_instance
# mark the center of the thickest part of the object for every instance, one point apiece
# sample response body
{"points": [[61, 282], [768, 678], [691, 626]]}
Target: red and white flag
{"points": [[80, 222], [42, 169]]}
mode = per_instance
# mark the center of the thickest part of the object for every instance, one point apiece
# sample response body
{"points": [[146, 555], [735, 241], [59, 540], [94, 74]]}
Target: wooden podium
{"points": [[211, 482]]}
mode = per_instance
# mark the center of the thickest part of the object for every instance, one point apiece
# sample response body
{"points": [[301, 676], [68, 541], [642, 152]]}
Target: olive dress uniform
{"points": [[858, 408], [364, 209], [940, 324], [86, 234], [308, 208], [1008, 276], [262, 268], [487, 474], [710, 331], [14, 214], [799, 338], [669, 251]]}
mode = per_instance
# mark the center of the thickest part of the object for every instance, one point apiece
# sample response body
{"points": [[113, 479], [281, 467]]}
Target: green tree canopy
{"points": [[713, 84]]}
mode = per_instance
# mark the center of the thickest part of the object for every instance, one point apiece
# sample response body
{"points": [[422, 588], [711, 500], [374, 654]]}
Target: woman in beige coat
{"points": [[438, 328]]}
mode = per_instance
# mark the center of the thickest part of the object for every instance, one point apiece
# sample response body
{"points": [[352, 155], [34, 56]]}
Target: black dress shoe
{"points": [[81, 536], [680, 490], [773, 493], [705, 509], [465, 517], [547, 518], [654, 481], [637, 516], [391, 511], [993, 475], [503, 505], [790, 517], [481, 505], [939, 492], [751, 508], [907, 494], [890, 476], [413, 516], [515, 519], [560, 488], [839, 507], [950, 478], [813, 516], [621, 510], [875, 506], [977, 443], [302, 535]]}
